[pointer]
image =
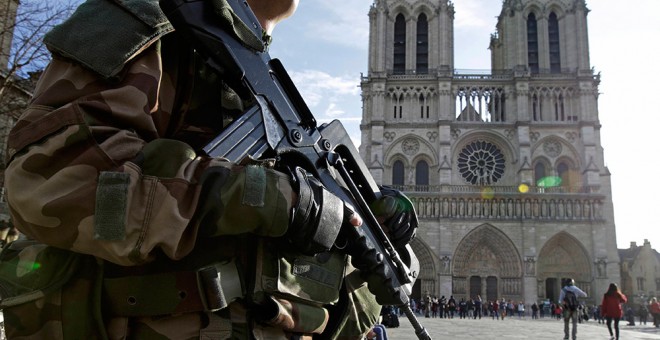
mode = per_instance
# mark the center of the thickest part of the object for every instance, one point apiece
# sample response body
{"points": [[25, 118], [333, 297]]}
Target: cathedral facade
{"points": [[505, 167]]}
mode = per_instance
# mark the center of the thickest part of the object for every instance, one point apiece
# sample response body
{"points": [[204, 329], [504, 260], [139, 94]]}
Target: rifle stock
{"points": [[281, 125]]}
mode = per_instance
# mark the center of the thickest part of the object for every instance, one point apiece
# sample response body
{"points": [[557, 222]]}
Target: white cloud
{"points": [[478, 14], [316, 86], [342, 22], [333, 111]]}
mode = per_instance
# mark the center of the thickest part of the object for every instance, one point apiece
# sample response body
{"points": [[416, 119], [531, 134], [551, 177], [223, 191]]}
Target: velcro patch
{"points": [[314, 272], [111, 205], [255, 186]]}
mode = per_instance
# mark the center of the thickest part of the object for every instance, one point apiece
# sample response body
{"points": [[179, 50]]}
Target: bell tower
{"points": [[408, 40], [544, 37]]}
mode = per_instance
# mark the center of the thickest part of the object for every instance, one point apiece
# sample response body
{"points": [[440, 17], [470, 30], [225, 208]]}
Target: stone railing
{"points": [[506, 203]]}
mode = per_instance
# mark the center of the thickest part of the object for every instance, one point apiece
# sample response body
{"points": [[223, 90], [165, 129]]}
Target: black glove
{"points": [[317, 217], [397, 214]]}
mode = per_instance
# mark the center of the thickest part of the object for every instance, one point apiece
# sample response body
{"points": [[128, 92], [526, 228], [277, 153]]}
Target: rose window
{"points": [[481, 163]]}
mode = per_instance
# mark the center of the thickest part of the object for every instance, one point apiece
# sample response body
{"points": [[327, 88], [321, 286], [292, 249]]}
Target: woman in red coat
{"points": [[654, 307], [611, 308]]}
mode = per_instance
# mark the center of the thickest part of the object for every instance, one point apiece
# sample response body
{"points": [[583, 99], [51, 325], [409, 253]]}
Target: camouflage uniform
{"points": [[102, 168]]}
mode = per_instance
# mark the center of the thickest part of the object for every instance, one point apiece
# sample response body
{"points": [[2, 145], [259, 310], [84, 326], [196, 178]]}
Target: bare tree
{"points": [[22, 52], [33, 20], [23, 24]]}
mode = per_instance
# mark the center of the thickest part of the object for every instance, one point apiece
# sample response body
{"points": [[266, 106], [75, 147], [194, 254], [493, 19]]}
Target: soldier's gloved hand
{"points": [[318, 215], [395, 212]]}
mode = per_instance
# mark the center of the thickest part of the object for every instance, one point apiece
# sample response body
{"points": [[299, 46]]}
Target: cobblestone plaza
{"points": [[514, 328]]}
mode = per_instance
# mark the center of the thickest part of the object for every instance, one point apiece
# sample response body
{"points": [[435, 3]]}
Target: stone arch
{"points": [[557, 8], [572, 176], [425, 8], [487, 253], [563, 256], [398, 157], [568, 160], [428, 267], [547, 167], [568, 150], [507, 259], [389, 168], [423, 157], [400, 9], [425, 148], [533, 7]]}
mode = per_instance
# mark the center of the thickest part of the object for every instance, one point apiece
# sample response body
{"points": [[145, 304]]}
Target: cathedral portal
{"points": [[486, 263], [563, 256]]}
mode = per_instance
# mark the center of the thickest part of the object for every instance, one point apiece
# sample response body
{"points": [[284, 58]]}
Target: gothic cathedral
{"points": [[505, 167]]}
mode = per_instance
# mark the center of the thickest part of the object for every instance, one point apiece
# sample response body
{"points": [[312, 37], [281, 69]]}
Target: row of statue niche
{"points": [[508, 208]]}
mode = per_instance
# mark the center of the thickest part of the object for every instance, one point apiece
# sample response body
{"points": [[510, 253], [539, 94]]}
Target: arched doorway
{"points": [[491, 288], [563, 256], [486, 261], [475, 286], [426, 280]]}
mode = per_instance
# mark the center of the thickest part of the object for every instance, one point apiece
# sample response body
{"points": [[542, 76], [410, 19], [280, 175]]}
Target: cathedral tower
{"points": [[505, 167]]}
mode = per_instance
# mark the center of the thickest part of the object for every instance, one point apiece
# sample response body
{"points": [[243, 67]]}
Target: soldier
{"points": [[131, 234]]}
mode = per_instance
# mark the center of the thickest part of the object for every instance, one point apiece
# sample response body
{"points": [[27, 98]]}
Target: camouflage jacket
{"points": [[103, 163], [103, 166]]}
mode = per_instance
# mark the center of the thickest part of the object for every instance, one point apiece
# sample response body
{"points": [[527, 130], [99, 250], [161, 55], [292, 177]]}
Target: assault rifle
{"points": [[281, 125]]}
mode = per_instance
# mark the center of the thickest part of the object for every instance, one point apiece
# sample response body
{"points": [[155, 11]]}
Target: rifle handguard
{"points": [[317, 217]]}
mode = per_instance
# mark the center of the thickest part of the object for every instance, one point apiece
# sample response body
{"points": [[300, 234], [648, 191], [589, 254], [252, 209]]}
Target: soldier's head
{"points": [[270, 12]]}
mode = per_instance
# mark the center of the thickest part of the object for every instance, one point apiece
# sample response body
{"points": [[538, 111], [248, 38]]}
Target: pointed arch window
{"points": [[563, 173], [398, 106], [422, 175], [553, 38], [539, 172], [560, 108], [537, 105], [423, 107], [532, 44], [422, 44], [398, 173], [399, 44]]}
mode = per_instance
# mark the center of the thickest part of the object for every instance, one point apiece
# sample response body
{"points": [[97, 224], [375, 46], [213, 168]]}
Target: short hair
{"points": [[569, 282]]}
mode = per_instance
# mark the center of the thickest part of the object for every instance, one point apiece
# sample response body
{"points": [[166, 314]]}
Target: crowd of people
{"points": [[476, 308], [613, 308]]}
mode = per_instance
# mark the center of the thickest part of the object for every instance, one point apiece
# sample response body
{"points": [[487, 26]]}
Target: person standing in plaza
{"points": [[503, 308], [535, 311], [496, 309], [427, 305], [462, 308], [643, 313], [434, 306], [521, 309], [478, 307], [654, 307], [451, 306], [611, 308], [568, 297]]}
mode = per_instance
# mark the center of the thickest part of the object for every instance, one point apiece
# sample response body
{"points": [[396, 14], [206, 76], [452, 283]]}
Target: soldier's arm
{"points": [[89, 170]]}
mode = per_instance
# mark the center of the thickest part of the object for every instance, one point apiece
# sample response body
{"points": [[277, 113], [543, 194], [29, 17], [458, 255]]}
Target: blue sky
{"points": [[324, 48]]}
